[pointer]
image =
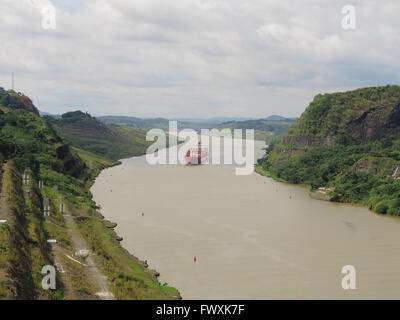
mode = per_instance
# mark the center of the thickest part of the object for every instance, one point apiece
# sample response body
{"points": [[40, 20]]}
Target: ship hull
{"points": [[194, 160]]}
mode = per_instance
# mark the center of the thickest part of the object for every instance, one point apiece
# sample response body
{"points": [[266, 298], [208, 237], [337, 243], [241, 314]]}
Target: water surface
{"points": [[254, 238]]}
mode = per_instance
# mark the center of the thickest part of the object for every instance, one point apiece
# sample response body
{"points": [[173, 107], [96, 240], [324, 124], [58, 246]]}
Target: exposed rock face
{"points": [[322, 194], [307, 141], [29, 105], [367, 166], [378, 166], [289, 151], [375, 123], [297, 144]]}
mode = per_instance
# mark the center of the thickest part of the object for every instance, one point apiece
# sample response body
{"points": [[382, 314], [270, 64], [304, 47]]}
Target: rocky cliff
{"points": [[346, 142], [361, 115]]}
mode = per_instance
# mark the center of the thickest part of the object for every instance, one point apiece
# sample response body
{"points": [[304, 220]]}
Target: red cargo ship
{"points": [[197, 155]]}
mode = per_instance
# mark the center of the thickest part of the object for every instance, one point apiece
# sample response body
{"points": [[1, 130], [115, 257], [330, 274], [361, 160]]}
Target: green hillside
{"points": [[113, 142], [30, 144], [348, 142]]}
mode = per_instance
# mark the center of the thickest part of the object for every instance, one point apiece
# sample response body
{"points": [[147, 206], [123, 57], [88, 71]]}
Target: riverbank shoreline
{"points": [[110, 227], [315, 195]]}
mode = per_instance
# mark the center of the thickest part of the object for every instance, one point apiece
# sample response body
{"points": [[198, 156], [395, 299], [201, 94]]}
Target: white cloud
{"points": [[195, 57]]}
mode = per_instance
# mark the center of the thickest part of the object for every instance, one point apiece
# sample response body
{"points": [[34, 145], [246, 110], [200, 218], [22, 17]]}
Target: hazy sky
{"points": [[195, 58]]}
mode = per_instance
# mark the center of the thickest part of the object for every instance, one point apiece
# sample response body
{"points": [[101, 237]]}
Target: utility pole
{"points": [[12, 81]]}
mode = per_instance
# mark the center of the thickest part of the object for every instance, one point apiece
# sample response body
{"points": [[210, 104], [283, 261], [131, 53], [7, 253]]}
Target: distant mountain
{"points": [[193, 123], [158, 123], [215, 120], [161, 123], [44, 113], [279, 118], [266, 130]]}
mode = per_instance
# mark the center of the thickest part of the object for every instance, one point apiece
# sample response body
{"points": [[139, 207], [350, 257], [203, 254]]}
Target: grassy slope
{"points": [[27, 250]]}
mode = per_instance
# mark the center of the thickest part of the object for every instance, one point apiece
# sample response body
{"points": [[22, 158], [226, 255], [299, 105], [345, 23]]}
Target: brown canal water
{"points": [[253, 237]]}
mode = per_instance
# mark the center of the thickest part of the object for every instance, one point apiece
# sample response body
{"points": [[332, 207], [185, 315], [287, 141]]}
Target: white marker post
{"points": [[26, 178], [82, 253], [46, 207]]}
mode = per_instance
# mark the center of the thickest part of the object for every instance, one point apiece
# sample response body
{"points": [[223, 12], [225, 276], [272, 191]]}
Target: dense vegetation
{"points": [[358, 160], [32, 142]]}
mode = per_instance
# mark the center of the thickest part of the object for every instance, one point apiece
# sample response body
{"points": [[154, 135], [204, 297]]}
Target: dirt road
{"points": [[92, 272]]}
